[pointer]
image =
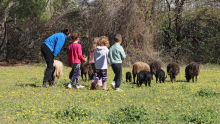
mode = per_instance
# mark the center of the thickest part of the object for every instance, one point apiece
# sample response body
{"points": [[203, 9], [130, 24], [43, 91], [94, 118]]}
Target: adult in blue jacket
{"points": [[50, 49]]}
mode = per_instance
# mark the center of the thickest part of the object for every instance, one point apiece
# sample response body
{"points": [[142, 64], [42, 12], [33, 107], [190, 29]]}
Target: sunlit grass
{"points": [[23, 100]]}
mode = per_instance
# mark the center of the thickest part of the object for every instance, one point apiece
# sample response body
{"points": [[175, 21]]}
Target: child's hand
{"points": [[85, 59]]}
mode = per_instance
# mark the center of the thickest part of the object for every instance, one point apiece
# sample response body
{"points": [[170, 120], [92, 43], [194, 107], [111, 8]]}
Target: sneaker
{"points": [[118, 89], [80, 86], [70, 86], [113, 84]]}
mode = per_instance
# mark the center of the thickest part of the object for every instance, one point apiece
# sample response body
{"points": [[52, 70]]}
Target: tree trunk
{"points": [[3, 36], [3, 42]]}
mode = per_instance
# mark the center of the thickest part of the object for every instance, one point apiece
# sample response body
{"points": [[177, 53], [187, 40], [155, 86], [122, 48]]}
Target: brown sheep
{"points": [[139, 66], [192, 70], [154, 66], [173, 70], [85, 69]]}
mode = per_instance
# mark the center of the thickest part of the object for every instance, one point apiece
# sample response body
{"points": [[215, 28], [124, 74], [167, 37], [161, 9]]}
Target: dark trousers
{"points": [[117, 69], [49, 58]]}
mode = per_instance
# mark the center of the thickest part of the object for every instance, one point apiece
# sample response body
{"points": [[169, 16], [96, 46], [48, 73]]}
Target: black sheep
{"points": [[144, 77], [154, 66], [173, 70], [191, 71], [160, 74], [128, 76]]}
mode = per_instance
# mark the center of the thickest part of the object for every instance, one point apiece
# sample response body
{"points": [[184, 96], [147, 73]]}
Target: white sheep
{"points": [[58, 73]]}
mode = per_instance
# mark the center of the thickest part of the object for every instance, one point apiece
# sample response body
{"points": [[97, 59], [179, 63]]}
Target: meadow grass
{"points": [[23, 100]]}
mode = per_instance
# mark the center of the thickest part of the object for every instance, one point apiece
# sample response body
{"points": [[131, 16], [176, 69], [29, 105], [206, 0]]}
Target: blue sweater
{"points": [[55, 42]]}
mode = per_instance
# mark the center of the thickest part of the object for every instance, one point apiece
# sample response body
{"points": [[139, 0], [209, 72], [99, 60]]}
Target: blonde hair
{"points": [[103, 41], [94, 44]]}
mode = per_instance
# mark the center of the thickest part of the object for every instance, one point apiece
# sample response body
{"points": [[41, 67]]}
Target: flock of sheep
{"points": [[143, 71]]}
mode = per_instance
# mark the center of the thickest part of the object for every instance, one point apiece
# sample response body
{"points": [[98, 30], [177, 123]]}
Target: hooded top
{"points": [[101, 57], [55, 42]]}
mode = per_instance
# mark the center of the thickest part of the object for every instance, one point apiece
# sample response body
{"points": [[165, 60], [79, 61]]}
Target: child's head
{"points": [[94, 44], [76, 36], [103, 41], [117, 38]]}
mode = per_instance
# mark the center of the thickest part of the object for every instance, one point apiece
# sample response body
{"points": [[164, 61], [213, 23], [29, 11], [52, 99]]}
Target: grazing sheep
{"points": [[173, 70], [192, 70], [58, 72], [144, 77], [154, 66], [85, 69], [139, 66], [128, 76], [160, 74]]}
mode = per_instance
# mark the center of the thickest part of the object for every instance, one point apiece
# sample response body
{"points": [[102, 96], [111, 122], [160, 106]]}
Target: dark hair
{"points": [[66, 30], [117, 37], [75, 36]]}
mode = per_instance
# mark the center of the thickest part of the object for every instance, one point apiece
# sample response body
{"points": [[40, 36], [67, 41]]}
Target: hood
{"points": [[100, 48]]}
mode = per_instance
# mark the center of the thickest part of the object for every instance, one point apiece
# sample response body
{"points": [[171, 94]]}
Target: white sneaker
{"points": [[80, 86], [113, 84], [119, 90], [70, 86]]}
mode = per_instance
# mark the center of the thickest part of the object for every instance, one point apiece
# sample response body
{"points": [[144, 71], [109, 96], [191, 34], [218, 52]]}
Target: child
{"points": [[91, 53], [101, 62], [74, 59], [116, 55]]}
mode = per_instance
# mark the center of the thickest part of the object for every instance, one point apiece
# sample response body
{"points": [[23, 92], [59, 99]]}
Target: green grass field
{"points": [[23, 100]]}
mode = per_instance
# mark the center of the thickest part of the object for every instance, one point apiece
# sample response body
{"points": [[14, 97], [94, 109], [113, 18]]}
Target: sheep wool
{"points": [[139, 66], [58, 73]]}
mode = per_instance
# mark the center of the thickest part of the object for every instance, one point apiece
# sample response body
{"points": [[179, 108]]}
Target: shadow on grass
{"points": [[176, 81], [25, 85]]}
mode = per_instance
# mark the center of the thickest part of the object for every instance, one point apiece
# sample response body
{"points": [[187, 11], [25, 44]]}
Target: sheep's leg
{"points": [[156, 80], [196, 78], [85, 77], [149, 83], [134, 77], [138, 81], [193, 78]]}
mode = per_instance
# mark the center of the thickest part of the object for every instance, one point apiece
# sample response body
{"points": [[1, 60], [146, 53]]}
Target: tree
{"points": [[3, 37], [46, 12]]}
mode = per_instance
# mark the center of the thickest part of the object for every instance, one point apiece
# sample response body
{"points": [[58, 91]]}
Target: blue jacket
{"points": [[55, 42]]}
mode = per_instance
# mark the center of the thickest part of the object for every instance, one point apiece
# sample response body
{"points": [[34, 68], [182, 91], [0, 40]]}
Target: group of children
{"points": [[99, 58]]}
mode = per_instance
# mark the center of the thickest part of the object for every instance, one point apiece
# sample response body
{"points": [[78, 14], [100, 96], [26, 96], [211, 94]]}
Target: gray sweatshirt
{"points": [[101, 57]]}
